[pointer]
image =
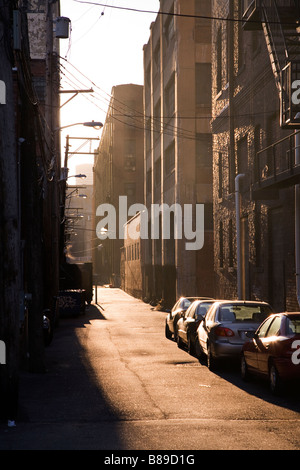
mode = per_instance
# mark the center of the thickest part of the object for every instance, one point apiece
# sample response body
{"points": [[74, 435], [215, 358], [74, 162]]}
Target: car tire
{"points": [[190, 346], [179, 342], [198, 350], [244, 369], [274, 380], [168, 333], [211, 360], [175, 330]]}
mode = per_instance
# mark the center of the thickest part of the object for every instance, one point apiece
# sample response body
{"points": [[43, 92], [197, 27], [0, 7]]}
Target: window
{"points": [[257, 236], [191, 312], [169, 26], [148, 181], [170, 98], [221, 246], [156, 57], [219, 59], [240, 39], [293, 326], [242, 155], [264, 328], [157, 178], [169, 159], [130, 153], [275, 327], [230, 236], [129, 163], [220, 164], [202, 25], [203, 84], [157, 119]]}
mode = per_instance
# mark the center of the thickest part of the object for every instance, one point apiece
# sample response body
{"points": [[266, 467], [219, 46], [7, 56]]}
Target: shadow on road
{"points": [[258, 387], [63, 408]]}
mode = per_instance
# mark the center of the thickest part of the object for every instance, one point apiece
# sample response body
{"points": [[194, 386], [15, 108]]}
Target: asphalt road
{"points": [[114, 382]]}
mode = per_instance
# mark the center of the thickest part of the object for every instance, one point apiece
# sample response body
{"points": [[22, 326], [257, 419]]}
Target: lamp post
{"points": [[94, 124]]}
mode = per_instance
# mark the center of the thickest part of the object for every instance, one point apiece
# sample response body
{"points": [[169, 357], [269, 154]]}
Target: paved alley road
{"points": [[115, 382]]}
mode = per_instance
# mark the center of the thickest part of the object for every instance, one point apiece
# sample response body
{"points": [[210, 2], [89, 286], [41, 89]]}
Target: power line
{"points": [[185, 15]]}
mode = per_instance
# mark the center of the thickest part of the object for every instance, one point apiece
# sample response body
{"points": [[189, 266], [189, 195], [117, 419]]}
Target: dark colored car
{"points": [[222, 333], [274, 350], [188, 323], [180, 306]]}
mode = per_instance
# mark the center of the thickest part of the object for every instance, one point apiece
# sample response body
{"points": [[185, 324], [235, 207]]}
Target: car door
{"points": [[204, 328], [265, 349], [187, 321], [251, 352]]}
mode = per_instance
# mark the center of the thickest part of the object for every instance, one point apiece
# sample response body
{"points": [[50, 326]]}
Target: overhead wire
{"points": [[139, 120], [186, 15]]}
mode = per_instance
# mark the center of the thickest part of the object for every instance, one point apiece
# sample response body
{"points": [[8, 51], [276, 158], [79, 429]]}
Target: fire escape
{"points": [[276, 165]]}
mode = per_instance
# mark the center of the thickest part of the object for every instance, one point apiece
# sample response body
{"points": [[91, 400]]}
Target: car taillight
{"points": [[222, 331]]}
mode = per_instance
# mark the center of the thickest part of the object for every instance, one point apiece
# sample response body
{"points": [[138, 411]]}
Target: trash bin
{"points": [[71, 302]]}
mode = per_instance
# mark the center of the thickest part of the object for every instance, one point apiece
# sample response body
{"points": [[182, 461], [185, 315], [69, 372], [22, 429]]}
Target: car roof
{"points": [[288, 314], [242, 302], [202, 301], [196, 298]]}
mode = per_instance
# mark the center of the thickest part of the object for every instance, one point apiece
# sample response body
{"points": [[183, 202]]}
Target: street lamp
{"points": [[76, 176], [94, 124]]}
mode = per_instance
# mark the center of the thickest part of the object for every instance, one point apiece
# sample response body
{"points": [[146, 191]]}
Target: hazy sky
{"points": [[105, 49]]}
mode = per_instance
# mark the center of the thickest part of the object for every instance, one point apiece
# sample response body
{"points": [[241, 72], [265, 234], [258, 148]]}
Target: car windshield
{"points": [[186, 303], [247, 313], [293, 326]]}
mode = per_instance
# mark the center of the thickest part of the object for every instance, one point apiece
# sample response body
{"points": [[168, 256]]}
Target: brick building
{"points": [[254, 214], [118, 171], [178, 163]]}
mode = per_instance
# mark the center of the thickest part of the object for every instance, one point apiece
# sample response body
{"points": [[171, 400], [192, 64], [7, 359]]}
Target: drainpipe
{"points": [[238, 233], [297, 219]]}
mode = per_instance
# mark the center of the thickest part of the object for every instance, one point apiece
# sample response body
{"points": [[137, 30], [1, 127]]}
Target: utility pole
{"points": [[9, 221]]}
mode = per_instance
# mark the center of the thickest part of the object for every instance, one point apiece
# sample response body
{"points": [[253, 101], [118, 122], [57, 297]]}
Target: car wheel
{"points": [[274, 380], [190, 346], [179, 342], [244, 369], [198, 350], [175, 331], [211, 360], [168, 333]]}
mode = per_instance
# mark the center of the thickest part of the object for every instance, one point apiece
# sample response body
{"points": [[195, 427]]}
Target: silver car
{"points": [[222, 333]]}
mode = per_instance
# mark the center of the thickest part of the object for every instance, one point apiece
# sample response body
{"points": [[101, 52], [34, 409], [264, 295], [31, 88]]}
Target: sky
{"points": [[105, 49]]}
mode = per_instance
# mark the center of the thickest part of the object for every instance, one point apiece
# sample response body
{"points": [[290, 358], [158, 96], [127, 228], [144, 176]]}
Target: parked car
{"points": [[172, 318], [188, 323], [272, 351], [222, 334]]}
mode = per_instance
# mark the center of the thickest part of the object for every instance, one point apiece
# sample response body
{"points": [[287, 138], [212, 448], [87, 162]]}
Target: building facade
{"points": [[254, 209], [118, 172], [178, 156]]}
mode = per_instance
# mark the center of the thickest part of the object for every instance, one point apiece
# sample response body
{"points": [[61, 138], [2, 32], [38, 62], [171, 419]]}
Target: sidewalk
{"points": [[63, 408]]}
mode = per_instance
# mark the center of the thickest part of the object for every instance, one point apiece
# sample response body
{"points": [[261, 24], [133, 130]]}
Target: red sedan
{"points": [[274, 350]]}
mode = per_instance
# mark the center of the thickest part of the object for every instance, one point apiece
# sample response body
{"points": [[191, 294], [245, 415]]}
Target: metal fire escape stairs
{"points": [[281, 27], [280, 22]]}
